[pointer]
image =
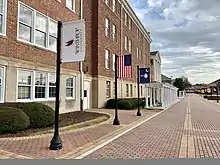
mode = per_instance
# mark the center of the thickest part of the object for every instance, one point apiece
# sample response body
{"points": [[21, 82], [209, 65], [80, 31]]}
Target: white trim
{"points": [[2, 100], [73, 87], [32, 43]]}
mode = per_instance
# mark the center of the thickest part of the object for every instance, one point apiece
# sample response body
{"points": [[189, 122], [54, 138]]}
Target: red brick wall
{"points": [[12, 48]]}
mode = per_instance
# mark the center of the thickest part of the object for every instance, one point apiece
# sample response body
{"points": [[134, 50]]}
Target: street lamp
{"points": [[217, 85]]}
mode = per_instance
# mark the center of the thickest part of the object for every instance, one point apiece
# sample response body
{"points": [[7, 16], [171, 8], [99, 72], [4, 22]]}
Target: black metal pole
{"points": [[116, 121], [56, 142], [138, 88], [217, 94]]}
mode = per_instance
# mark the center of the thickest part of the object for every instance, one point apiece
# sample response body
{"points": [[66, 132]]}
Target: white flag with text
{"points": [[73, 41]]}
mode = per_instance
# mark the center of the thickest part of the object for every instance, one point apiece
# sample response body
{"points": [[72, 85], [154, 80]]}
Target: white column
{"points": [[162, 97], [150, 94], [146, 98]]}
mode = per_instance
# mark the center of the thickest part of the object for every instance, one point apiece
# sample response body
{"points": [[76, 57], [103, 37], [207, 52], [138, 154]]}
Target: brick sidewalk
{"points": [[189, 129], [37, 147]]}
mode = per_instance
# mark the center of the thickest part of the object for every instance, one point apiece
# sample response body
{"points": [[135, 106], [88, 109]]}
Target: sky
{"points": [[187, 34]]}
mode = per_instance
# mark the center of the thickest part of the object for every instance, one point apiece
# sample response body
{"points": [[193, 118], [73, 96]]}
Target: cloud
{"points": [[187, 35]]}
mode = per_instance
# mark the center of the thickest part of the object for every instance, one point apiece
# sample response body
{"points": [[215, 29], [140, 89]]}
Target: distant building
{"points": [[166, 79]]}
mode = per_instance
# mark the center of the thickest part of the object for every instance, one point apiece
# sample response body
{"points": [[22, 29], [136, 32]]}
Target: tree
{"points": [[182, 83]]}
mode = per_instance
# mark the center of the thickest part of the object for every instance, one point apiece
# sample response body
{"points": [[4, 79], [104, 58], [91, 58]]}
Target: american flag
{"points": [[124, 66]]}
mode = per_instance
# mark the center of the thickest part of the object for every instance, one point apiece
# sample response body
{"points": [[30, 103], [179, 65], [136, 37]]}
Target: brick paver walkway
{"points": [[37, 147], [189, 129]]}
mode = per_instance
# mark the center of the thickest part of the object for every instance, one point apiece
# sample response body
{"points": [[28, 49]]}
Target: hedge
{"points": [[13, 120], [212, 97], [40, 115], [132, 103]]}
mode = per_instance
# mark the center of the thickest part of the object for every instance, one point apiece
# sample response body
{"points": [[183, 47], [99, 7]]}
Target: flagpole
{"points": [[56, 142], [138, 88], [116, 121]]}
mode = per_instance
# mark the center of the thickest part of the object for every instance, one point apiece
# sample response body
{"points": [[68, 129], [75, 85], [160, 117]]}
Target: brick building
{"points": [[28, 51], [115, 29]]}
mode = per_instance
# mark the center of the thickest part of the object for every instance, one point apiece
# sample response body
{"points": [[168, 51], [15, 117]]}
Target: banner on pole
{"points": [[73, 41], [144, 75]]}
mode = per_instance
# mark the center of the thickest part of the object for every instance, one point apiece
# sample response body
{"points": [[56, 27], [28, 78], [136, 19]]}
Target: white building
{"points": [[159, 94]]}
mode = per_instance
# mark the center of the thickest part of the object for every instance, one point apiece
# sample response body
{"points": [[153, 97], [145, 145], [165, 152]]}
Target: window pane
{"points": [[53, 28], [40, 92], [40, 79], [70, 4], [41, 22], [52, 91], [1, 6], [24, 78], [69, 82], [1, 23], [24, 92], [40, 38], [52, 80], [52, 43], [69, 92], [25, 32], [25, 15]]}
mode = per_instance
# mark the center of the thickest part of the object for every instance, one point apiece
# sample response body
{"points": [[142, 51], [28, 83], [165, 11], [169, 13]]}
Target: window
{"points": [[70, 4], [113, 66], [130, 46], [107, 27], [52, 35], [36, 28], [52, 86], [26, 23], [113, 5], [137, 52], [70, 87], [126, 42], [107, 59], [36, 85], [127, 90], [24, 85], [3, 11], [126, 18], [40, 33], [114, 33], [40, 85], [108, 90], [129, 23], [131, 90]]}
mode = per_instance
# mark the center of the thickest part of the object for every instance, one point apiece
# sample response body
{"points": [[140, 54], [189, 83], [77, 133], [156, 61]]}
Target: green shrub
{"points": [[13, 120], [40, 115], [125, 104]]}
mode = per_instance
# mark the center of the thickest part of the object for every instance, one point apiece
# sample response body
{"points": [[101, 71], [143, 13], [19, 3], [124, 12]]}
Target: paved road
{"points": [[189, 129]]}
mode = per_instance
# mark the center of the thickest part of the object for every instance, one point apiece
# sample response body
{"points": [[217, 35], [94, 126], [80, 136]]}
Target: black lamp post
{"points": [[138, 88]]}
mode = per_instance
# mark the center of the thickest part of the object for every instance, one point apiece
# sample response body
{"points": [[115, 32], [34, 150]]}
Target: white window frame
{"points": [[51, 86], [108, 89], [113, 5], [107, 27], [114, 33], [107, 59], [4, 17], [73, 88], [32, 42], [130, 46], [126, 42], [74, 6], [113, 62], [32, 95], [46, 86]]}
